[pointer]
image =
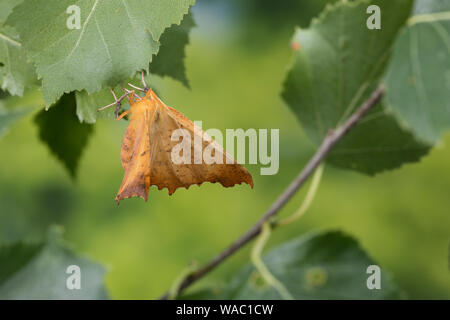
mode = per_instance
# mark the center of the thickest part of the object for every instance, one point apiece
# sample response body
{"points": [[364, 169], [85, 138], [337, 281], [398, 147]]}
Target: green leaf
{"points": [[15, 257], [10, 116], [3, 95], [15, 72], [377, 143], [116, 39], [168, 62], [327, 265], [6, 7], [418, 78], [88, 104], [170, 58], [431, 6], [38, 271], [61, 131], [337, 66]]}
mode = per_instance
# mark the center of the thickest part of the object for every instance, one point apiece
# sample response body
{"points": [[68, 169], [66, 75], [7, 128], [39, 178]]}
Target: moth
{"points": [[147, 152]]}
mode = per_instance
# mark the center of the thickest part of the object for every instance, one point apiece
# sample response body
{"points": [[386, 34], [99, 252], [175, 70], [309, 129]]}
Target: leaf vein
{"points": [[83, 29], [103, 40], [8, 39]]}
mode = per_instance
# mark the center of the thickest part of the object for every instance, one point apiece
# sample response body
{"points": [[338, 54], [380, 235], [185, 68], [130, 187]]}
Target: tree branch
{"points": [[327, 145]]}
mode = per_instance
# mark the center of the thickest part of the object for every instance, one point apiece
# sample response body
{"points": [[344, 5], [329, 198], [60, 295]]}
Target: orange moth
{"points": [[147, 152]]}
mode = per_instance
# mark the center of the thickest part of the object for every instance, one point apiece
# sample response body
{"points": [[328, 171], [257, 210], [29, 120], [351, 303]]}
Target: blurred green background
{"points": [[235, 63]]}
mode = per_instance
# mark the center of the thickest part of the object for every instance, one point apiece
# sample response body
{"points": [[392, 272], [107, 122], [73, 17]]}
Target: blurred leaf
{"points": [[9, 116], [326, 265], [216, 293], [278, 14], [38, 271], [15, 72], [116, 39], [338, 63], [14, 257], [431, 6], [418, 78], [3, 95], [170, 58], [61, 131]]}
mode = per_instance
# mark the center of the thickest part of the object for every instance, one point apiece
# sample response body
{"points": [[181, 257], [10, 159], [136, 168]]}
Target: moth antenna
{"points": [[106, 107], [127, 92], [117, 103], [143, 81], [137, 88], [134, 93], [113, 93]]}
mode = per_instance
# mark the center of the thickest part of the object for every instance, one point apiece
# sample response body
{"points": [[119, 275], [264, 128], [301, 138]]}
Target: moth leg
{"points": [[146, 88], [133, 94], [117, 102], [135, 87], [123, 114], [116, 112]]}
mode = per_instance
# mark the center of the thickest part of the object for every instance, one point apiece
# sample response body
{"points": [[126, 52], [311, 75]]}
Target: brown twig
{"points": [[324, 149]]}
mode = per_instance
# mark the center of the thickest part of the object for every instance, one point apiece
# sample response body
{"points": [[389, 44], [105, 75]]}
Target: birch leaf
{"points": [[338, 62], [418, 78], [61, 131], [39, 271], [116, 39]]}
